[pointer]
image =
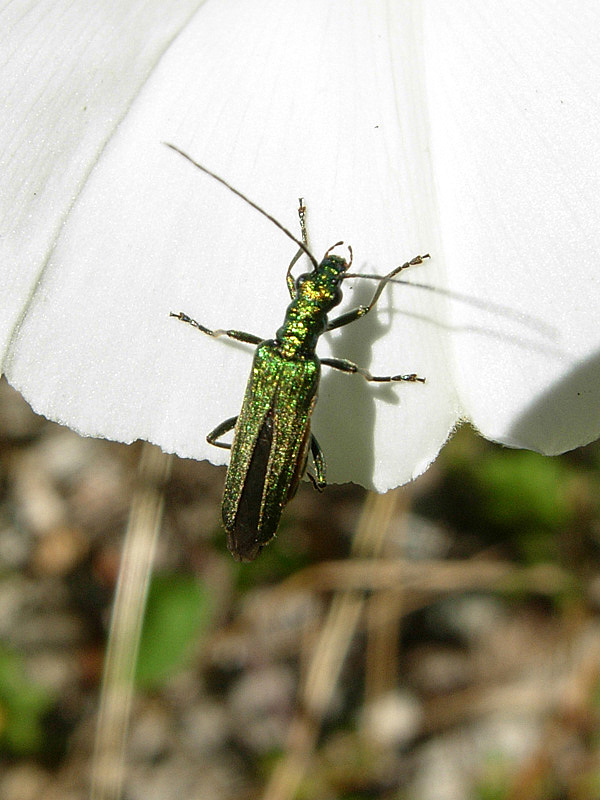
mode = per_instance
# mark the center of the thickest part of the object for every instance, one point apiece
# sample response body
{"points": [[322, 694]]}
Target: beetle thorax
{"points": [[317, 293]]}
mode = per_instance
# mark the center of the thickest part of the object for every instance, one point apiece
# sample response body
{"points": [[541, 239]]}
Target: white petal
{"points": [[323, 100], [513, 91], [69, 72]]}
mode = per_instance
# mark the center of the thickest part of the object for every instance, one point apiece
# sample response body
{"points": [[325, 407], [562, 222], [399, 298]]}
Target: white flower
{"points": [[466, 130]]}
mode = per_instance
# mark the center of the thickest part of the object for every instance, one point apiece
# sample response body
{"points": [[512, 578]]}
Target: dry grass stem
{"points": [[126, 624]]}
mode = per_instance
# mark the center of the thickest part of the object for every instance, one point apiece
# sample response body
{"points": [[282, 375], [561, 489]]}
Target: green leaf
{"points": [[23, 704], [178, 610]]}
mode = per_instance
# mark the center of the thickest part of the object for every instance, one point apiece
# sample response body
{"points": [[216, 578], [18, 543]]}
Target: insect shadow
{"points": [[347, 405]]}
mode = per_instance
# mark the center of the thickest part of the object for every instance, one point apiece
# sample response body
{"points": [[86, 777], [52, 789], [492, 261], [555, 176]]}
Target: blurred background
{"points": [[438, 642]]}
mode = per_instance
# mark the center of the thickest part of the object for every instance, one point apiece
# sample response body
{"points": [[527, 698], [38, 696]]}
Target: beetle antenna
{"points": [[290, 235]]}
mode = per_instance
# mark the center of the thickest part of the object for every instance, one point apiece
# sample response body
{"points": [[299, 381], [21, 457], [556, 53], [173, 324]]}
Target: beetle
{"points": [[272, 435]]}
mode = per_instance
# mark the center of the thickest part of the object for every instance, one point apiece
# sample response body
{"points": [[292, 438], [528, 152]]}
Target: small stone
{"points": [[151, 733], [59, 551], [392, 720], [435, 669], [41, 508], [261, 703], [205, 727]]}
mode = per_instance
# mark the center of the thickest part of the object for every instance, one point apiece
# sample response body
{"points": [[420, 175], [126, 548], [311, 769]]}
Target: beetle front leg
{"points": [[288, 276], [361, 311], [239, 336]]}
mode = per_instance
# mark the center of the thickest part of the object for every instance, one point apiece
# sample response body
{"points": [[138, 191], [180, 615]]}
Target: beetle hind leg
{"points": [[319, 481], [224, 427]]}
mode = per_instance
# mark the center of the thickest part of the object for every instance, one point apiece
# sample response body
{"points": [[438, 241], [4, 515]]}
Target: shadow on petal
{"points": [[565, 417]]}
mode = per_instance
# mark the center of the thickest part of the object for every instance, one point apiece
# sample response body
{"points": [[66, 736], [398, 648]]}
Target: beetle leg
{"points": [[224, 427], [357, 313], [239, 336], [320, 481], [288, 275], [349, 366]]}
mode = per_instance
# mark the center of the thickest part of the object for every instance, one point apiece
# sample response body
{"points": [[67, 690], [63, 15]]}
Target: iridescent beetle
{"points": [[272, 434]]}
